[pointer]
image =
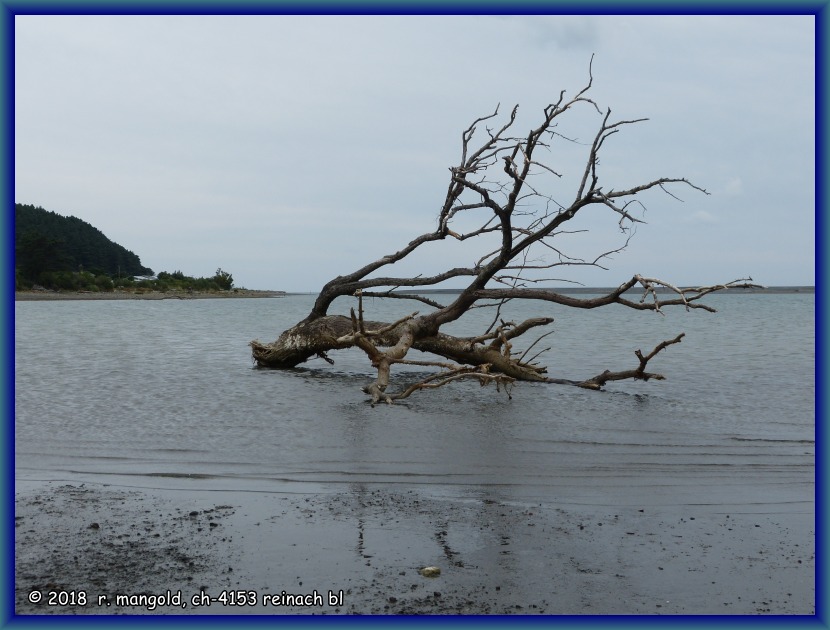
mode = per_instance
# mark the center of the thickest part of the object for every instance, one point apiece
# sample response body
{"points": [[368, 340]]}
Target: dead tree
{"points": [[498, 182]]}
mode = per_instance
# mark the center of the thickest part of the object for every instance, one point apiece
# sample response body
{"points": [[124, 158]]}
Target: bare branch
{"points": [[403, 296], [530, 347], [657, 182], [687, 299], [638, 373]]}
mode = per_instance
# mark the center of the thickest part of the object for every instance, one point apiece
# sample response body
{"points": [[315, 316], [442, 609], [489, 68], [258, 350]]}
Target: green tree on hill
{"points": [[46, 241], [69, 254], [36, 253], [223, 279]]}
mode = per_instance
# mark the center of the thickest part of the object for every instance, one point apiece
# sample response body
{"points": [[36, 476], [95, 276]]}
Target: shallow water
{"points": [[164, 394]]}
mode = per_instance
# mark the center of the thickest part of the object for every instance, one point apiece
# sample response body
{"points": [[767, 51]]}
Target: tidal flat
{"points": [[230, 553]]}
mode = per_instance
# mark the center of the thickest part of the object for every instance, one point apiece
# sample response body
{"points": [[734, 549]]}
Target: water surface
{"points": [[159, 393]]}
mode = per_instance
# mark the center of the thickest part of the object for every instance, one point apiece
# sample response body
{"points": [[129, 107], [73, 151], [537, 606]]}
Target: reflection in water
{"points": [[167, 389]]}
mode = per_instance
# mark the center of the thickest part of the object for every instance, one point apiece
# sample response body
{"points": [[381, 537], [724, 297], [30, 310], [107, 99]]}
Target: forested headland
{"points": [[66, 253]]}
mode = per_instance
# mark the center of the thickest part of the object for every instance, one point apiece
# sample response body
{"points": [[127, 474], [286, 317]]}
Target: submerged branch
{"points": [[480, 373], [638, 373]]}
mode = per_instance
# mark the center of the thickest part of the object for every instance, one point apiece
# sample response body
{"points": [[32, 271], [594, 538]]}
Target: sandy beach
{"points": [[205, 551]]}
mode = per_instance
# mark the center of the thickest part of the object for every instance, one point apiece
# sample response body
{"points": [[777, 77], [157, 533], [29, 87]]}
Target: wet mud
{"points": [[362, 550]]}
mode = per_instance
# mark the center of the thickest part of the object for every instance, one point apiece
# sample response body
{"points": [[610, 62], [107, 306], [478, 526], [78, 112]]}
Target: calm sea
{"points": [[164, 393]]}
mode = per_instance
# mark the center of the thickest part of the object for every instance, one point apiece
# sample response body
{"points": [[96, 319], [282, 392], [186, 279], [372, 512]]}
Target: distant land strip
{"points": [[634, 291], [44, 295]]}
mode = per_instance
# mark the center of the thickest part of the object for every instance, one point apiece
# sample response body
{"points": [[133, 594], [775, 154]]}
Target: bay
{"points": [[153, 393]]}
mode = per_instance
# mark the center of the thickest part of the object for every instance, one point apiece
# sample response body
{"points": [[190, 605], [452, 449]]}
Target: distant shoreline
{"points": [[35, 296], [605, 290], [39, 296]]}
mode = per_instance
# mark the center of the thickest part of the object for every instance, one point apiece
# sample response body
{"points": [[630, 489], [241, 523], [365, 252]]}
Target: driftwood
{"points": [[499, 180]]}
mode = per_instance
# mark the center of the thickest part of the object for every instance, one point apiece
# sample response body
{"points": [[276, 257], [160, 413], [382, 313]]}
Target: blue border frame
{"points": [[9, 8], [822, 172], [412, 7], [7, 318]]}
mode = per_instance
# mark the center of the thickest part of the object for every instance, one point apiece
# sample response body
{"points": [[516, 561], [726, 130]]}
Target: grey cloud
{"points": [[300, 131]]}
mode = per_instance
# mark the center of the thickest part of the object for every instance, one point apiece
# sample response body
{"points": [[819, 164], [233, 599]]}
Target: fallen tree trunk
{"points": [[520, 228]]}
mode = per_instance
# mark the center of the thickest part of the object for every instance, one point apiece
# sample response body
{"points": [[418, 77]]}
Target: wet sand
{"points": [[359, 549]]}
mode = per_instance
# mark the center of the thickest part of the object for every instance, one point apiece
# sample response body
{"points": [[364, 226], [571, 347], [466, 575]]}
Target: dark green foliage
{"points": [[36, 253], [104, 283], [66, 253], [47, 242], [72, 281], [223, 279]]}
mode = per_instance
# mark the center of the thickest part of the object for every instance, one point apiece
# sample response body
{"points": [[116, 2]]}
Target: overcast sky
{"points": [[290, 149]]}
